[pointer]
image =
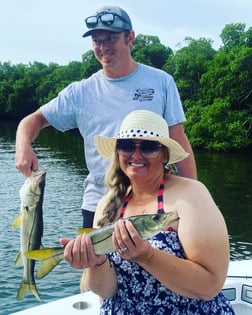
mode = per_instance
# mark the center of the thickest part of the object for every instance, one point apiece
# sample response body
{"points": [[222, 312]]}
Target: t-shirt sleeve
{"points": [[60, 112], [174, 112]]}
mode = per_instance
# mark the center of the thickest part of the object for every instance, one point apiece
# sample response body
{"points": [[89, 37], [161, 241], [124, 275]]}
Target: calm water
{"points": [[228, 177]]}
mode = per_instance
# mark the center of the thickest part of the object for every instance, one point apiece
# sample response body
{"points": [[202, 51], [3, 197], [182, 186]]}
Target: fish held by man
{"points": [[147, 225], [30, 221]]}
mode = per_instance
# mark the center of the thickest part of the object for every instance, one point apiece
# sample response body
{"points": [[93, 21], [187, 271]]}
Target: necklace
{"points": [[159, 201]]}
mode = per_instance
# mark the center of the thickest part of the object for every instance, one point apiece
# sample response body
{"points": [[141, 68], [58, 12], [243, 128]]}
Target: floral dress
{"points": [[139, 293]]}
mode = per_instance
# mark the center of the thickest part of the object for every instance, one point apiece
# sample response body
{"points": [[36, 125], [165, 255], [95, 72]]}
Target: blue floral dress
{"points": [[139, 293]]}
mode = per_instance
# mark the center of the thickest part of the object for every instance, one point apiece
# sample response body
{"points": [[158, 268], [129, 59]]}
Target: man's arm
{"points": [[187, 167], [27, 131]]}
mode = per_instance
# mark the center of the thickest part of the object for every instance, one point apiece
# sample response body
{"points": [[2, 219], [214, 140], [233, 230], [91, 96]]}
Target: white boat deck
{"points": [[237, 288], [87, 302]]}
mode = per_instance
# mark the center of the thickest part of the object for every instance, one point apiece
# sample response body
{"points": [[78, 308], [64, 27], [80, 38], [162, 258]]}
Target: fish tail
{"points": [[48, 264], [25, 288]]}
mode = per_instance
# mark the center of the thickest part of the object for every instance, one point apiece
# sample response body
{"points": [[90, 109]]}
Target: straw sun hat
{"points": [[144, 125]]}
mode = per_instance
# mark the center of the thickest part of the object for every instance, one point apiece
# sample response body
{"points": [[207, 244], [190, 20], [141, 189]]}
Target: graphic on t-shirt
{"points": [[143, 94]]}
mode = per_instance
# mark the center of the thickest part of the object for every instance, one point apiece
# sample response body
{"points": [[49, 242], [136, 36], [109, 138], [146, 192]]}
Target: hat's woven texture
{"points": [[145, 125]]}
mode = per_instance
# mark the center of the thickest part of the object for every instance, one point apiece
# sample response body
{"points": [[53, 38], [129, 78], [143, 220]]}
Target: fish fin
{"points": [[50, 258], [17, 222], [47, 265], [43, 253], [25, 288], [18, 260], [81, 231]]}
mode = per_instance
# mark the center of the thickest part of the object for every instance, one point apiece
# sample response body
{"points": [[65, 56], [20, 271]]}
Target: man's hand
{"points": [[26, 160]]}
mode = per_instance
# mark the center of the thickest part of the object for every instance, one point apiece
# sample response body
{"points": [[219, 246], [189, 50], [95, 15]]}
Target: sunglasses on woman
{"points": [[106, 19], [149, 149]]}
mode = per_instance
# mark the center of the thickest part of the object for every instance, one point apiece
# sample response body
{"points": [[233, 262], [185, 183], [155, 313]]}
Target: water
{"points": [[228, 177]]}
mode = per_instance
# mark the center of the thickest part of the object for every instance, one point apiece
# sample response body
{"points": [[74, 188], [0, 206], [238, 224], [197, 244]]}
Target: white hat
{"points": [[144, 125]]}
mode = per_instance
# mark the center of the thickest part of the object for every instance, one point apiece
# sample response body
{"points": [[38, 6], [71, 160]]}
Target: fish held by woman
{"points": [[147, 225], [30, 221]]}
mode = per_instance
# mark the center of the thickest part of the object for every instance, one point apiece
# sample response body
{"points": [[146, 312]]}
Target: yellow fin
{"points": [[47, 265], [81, 231], [43, 253], [17, 222], [50, 258]]}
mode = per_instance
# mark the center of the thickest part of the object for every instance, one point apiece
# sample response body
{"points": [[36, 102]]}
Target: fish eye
{"points": [[41, 185], [155, 217]]}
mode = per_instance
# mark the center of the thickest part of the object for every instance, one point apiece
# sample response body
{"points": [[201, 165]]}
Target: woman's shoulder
{"points": [[184, 181], [188, 186]]}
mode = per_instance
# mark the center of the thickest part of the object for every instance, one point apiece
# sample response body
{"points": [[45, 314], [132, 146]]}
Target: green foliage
{"points": [[23, 88], [215, 86], [90, 64], [218, 127], [232, 34], [149, 50], [229, 74], [188, 64]]}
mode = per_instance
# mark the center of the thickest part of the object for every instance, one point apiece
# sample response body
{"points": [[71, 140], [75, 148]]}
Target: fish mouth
{"points": [[39, 174], [169, 221]]}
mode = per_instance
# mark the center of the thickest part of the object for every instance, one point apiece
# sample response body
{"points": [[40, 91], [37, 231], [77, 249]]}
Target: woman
{"points": [[179, 271]]}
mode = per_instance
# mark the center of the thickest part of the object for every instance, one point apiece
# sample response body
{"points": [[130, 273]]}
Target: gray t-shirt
{"points": [[98, 105]]}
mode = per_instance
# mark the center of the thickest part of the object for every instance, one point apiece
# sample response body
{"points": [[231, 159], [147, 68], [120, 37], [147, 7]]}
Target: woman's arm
{"points": [[100, 279], [203, 235]]}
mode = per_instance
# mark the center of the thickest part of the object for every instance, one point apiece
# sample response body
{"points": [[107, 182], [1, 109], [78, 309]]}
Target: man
{"points": [[98, 104]]}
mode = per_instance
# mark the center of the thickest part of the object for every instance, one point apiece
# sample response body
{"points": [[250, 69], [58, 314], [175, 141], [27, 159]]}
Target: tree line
{"points": [[215, 85]]}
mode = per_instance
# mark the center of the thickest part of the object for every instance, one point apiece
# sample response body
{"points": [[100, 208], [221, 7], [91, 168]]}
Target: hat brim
{"points": [[106, 28], [106, 147]]}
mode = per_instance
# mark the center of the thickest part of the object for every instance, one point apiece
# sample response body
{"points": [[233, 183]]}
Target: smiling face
{"points": [[112, 50], [137, 167]]}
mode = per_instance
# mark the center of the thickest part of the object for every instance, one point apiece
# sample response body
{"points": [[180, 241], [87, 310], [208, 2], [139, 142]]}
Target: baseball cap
{"points": [[110, 18]]}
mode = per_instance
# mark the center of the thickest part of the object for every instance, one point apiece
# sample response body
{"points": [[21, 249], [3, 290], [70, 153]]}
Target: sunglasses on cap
{"points": [[149, 149], [106, 19]]}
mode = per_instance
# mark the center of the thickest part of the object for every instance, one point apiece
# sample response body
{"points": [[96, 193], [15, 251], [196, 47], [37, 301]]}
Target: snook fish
{"points": [[146, 225], [30, 221]]}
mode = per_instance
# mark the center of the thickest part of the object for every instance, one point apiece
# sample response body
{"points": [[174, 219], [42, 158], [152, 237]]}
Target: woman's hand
{"points": [[129, 244], [79, 252]]}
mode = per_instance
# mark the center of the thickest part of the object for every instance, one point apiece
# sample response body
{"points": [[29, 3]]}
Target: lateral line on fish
{"points": [[105, 238]]}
